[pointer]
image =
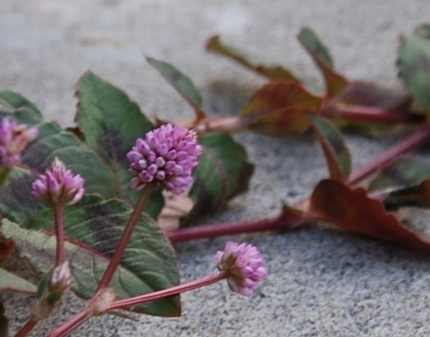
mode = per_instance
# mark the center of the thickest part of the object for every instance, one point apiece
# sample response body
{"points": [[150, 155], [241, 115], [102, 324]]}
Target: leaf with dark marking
{"points": [[403, 172], [223, 172], [182, 83], [335, 83], [337, 154], [280, 108], [273, 72], [93, 229], [13, 102], [16, 201], [111, 123], [353, 210], [13, 283]]}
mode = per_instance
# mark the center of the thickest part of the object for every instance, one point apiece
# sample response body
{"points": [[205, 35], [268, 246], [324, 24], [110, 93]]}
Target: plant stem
{"points": [[369, 114], [286, 221], [169, 292], [71, 324], [416, 139], [59, 232], [26, 329], [125, 238]]}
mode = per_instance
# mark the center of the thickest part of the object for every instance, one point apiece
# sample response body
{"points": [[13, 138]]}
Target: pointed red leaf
{"points": [[354, 210]]}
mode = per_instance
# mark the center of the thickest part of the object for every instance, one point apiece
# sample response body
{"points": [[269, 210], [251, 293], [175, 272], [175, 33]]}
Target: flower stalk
{"points": [[125, 237]]}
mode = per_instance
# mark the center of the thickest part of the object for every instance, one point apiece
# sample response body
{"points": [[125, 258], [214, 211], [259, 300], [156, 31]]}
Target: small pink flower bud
{"points": [[244, 266], [167, 155], [14, 138], [58, 186], [61, 279]]}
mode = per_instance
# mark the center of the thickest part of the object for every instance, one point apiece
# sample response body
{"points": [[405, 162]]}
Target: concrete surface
{"points": [[322, 282]]}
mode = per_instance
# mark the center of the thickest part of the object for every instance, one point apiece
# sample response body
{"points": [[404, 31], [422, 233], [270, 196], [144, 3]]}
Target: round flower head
{"points": [[244, 266], [58, 186], [14, 138], [166, 155]]}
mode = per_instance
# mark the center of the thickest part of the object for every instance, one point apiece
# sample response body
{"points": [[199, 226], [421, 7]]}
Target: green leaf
{"points": [[403, 172], [414, 67], [337, 154], [93, 229], [273, 72], [16, 201], [12, 283], [13, 102], [416, 196], [182, 83], [223, 172], [335, 83], [3, 322], [111, 124], [15, 198]]}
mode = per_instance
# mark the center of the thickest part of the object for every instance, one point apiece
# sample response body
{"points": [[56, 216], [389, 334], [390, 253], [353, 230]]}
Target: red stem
{"points": [[59, 232], [168, 292], [71, 324], [285, 221], [416, 139], [369, 114], [288, 221], [26, 329], [125, 238]]}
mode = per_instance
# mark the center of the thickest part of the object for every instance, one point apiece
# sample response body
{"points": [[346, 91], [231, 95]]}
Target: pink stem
{"points": [[285, 221], [59, 232], [71, 324], [168, 292], [369, 114], [26, 329], [405, 146], [125, 238]]}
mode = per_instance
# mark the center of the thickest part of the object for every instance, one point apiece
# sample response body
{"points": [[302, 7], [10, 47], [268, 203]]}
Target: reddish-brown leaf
{"points": [[280, 108], [354, 210], [7, 248]]}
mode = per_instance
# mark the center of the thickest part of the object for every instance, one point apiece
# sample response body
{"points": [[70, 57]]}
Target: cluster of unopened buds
{"points": [[166, 156]]}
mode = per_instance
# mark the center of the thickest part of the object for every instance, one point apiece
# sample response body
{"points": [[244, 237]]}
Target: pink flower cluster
{"points": [[166, 155], [243, 265], [58, 186], [14, 138]]}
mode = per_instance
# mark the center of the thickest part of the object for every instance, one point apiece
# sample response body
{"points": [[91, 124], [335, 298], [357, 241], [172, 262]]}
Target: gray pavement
{"points": [[322, 282]]}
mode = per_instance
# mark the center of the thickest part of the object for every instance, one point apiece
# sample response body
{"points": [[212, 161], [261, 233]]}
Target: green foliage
{"points": [[414, 65], [93, 228], [111, 123], [335, 83], [13, 283], [335, 150], [403, 172], [182, 83], [223, 172]]}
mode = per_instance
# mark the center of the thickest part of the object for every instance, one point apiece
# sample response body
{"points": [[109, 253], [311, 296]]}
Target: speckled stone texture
{"points": [[322, 282]]}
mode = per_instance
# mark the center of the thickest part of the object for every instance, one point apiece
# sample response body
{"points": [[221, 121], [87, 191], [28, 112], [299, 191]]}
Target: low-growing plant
{"points": [[84, 205]]}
